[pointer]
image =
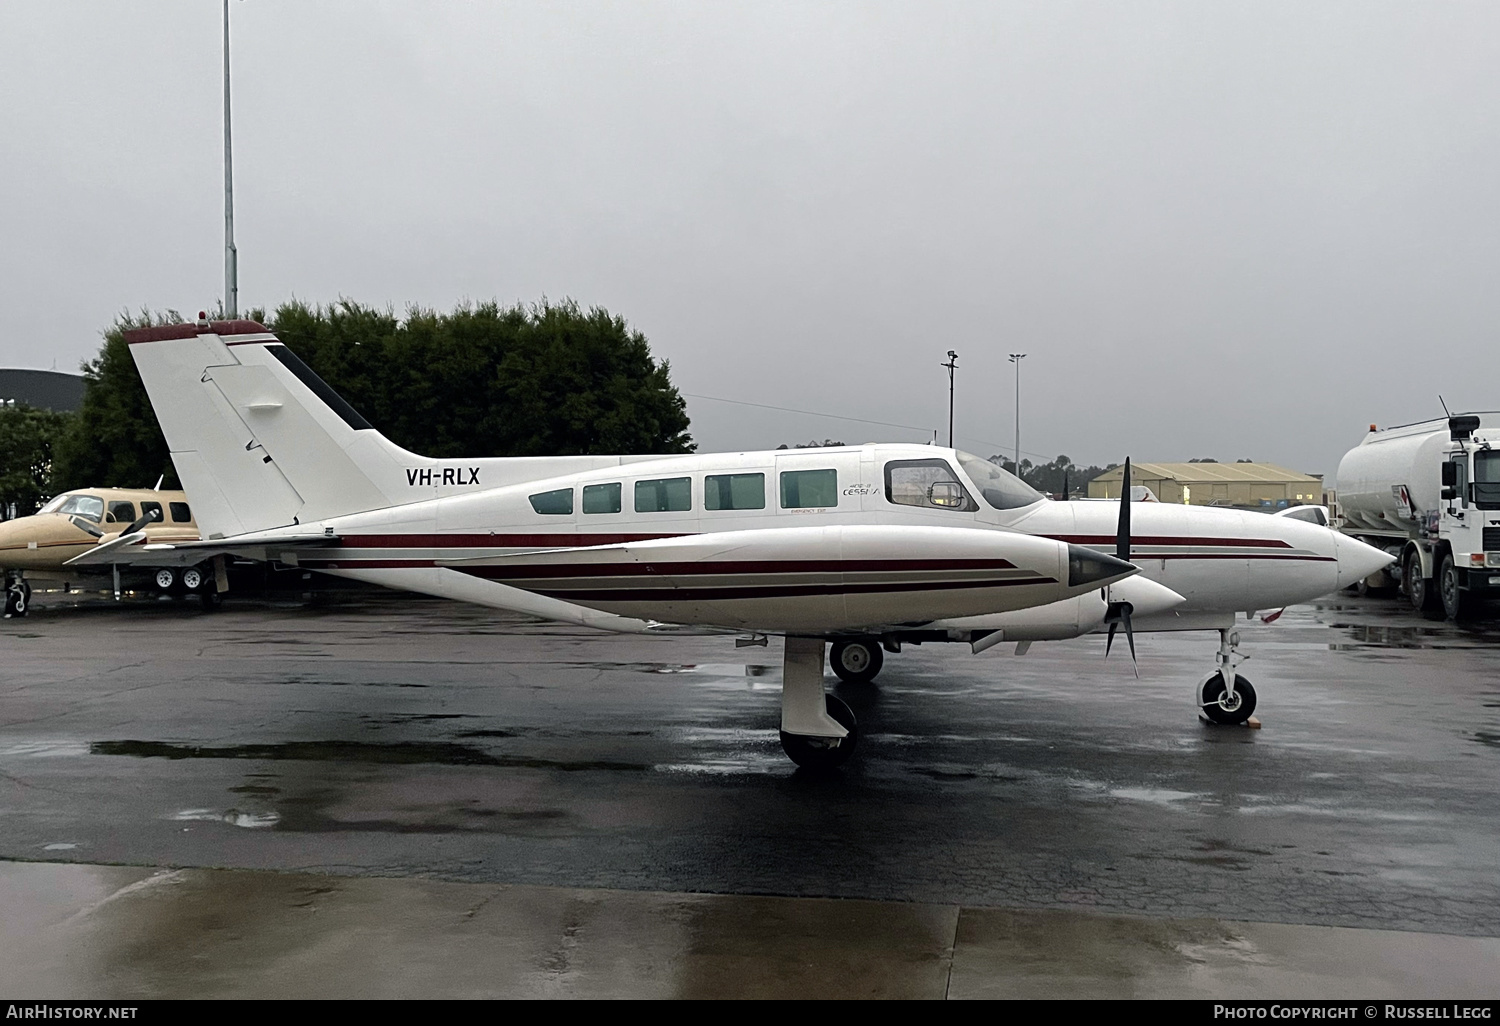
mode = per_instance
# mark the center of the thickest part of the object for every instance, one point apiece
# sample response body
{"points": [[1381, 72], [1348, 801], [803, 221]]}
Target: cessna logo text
{"points": [[445, 476]]}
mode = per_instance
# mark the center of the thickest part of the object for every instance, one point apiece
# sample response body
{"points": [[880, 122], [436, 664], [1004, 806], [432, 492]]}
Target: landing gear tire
{"points": [[824, 753], [165, 579], [1455, 602], [856, 662], [1419, 590], [1212, 698]]}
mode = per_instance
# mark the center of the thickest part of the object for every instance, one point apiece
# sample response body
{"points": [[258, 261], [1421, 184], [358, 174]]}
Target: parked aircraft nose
{"points": [[1356, 560]]}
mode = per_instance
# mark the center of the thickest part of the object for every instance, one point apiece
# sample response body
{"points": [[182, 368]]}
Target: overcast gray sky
{"points": [[1218, 229]]}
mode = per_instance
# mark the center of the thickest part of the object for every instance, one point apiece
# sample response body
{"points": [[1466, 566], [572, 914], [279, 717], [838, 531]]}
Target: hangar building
{"points": [[44, 389], [1246, 485]]}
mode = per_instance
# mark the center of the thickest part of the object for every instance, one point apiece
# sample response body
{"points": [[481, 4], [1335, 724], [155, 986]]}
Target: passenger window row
{"points": [[800, 489]]}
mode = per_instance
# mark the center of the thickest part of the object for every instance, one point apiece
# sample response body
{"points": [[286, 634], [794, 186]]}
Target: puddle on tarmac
{"points": [[1484, 737], [234, 817], [708, 669], [399, 753]]}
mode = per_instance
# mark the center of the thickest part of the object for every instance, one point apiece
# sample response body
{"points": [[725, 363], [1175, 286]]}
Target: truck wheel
{"points": [[1455, 602], [1419, 590]]}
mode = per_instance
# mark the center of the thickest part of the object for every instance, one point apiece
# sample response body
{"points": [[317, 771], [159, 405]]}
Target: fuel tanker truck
{"points": [[1429, 494]]}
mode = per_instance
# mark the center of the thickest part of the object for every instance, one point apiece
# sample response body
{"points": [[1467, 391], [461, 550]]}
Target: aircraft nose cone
{"points": [[1356, 560]]}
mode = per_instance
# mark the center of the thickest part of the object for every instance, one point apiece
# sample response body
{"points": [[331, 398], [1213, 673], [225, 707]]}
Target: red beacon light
{"points": [[202, 318]]}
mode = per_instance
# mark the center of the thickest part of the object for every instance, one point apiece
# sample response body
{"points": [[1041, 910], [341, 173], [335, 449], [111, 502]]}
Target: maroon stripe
{"points": [[167, 332], [666, 593], [1138, 540], [495, 541]]}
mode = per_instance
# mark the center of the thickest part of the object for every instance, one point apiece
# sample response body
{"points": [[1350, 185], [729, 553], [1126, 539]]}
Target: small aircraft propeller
{"points": [[1118, 613], [86, 526], [141, 521]]}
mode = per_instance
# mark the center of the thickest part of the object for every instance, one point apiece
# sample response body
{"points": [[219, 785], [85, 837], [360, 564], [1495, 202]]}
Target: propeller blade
{"points": [[1122, 533], [1114, 625], [1066, 496], [84, 525], [1130, 637], [144, 519]]}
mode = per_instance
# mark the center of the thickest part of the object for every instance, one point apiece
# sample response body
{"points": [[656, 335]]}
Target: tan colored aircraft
{"points": [[38, 548]]}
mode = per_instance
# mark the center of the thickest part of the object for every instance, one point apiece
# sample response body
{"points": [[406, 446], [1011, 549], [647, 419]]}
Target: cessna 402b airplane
{"points": [[863, 546]]}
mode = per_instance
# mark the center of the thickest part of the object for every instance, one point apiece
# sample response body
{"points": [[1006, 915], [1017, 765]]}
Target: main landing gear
{"points": [[856, 661], [818, 731], [17, 598], [1224, 696]]}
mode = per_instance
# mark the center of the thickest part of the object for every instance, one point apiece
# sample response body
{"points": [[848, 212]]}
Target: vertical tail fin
{"points": [[257, 438]]}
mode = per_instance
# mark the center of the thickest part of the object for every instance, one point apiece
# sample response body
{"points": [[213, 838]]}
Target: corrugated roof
{"points": [[1194, 473]]}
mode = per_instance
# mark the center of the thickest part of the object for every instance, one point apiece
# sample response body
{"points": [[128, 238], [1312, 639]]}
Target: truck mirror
{"points": [[1450, 475], [1449, 493]]}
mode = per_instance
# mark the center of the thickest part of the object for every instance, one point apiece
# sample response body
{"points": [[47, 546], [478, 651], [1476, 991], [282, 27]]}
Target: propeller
{"points": [[1117, 615], [141, 521]]}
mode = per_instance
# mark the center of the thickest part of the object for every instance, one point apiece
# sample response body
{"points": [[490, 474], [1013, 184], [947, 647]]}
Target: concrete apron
{"points": [[82, 931]]}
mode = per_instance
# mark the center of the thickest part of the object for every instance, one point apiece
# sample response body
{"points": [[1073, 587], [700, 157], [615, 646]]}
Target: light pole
{"points": [[231, 257], [951, 364], [1016, 359]]}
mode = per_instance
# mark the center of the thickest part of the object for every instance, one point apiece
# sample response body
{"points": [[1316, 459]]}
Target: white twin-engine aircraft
{"points": [[868, 547]]}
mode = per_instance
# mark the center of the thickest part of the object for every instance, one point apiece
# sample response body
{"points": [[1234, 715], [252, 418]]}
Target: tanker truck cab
{"points": [[1429, 494]]}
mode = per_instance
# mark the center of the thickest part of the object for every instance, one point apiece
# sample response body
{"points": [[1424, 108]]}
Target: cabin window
{"points": [[603, 498], [802, 489], [180, 512], [930, 484], [558, 502], [153, 508], [122, 512], [90, 507], [734, 491], [664, 495]]}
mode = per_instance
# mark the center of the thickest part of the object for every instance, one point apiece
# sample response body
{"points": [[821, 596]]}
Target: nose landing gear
{"points": [[17, 598], [1224, 696]]}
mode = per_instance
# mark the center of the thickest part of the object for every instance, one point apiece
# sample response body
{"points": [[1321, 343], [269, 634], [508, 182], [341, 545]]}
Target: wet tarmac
{"points": [[414, 739]]}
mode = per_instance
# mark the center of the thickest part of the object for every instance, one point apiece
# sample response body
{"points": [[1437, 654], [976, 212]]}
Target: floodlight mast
{"points": [[231, 257], [1016, 359], [951, 364]]}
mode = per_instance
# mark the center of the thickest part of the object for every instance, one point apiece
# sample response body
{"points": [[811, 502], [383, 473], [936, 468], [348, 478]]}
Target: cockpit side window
{"points": [[930, 484], [1000, 488]]}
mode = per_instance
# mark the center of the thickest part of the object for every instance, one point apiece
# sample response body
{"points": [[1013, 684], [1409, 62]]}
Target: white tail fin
{"points": [[260, 441]]}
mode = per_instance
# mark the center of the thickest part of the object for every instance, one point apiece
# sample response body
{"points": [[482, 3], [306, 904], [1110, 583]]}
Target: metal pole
{"points": [[231, 257], [951, 364], [1016, 359]]}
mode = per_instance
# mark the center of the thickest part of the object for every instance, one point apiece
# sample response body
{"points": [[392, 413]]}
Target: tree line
{"points": [[483, 380]]}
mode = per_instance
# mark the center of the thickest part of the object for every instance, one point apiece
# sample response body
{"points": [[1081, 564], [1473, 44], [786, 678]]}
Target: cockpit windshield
{"points": [[1000, 488], [1487, 479], [88, 506]]}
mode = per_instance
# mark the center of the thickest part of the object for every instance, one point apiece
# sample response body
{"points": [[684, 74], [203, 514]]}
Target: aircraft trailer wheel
{"points": [[1213, 700], [856, 662], [192, 578], [164, 578], [824, 753]]}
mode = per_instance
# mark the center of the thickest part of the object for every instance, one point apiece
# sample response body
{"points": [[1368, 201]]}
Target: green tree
{"points": [[114, 439], [486, 380], [28, 439]]}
